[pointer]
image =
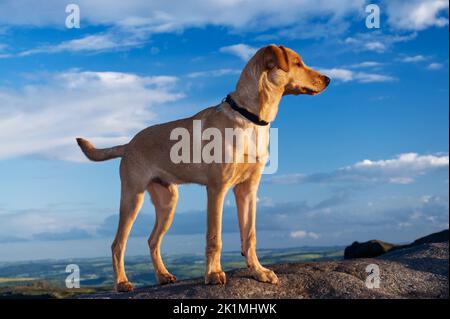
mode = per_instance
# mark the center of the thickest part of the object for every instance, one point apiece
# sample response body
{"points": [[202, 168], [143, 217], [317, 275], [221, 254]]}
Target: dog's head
{"points": [[285, 67], [272, 72]]}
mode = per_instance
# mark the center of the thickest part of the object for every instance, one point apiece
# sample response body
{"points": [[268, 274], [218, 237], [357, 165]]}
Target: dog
{"points": [[146, 165]]}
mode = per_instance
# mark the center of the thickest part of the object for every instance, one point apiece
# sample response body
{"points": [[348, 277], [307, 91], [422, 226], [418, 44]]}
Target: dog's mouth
{"points": [[305, 90], [302, 90]]}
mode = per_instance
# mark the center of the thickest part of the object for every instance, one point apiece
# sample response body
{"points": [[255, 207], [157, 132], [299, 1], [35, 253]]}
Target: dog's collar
{"points": [[244, 112]]}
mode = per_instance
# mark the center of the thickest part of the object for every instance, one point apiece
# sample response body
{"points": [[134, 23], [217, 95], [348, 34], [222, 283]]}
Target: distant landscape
{"points": [[46, 278]]}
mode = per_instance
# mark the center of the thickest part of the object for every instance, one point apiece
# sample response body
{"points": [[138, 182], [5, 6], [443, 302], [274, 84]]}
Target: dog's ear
{"points": [[274, 56]]}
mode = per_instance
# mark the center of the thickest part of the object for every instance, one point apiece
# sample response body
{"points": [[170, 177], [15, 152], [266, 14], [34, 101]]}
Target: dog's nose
{"points": [[327, 80]]}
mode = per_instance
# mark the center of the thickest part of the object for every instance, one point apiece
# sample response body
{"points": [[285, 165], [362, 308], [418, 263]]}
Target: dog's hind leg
{"points": [[165, 199], [130, 204]]}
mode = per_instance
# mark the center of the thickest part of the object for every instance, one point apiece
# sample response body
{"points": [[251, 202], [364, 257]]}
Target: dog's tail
{"points": [[100, 154]]}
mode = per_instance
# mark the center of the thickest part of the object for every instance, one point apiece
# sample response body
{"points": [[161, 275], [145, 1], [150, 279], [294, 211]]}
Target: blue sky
{"points": [[366, 159]]}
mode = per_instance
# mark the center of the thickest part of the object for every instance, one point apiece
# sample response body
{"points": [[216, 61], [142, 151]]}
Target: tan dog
{"points": [[146, 165]]}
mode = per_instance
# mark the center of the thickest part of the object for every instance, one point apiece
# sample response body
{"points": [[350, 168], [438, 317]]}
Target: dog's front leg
{"points": [[214, 274], [245, 194]]}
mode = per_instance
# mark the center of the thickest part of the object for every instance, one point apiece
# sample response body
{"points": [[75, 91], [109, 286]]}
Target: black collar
{"points": [[245, 113]]}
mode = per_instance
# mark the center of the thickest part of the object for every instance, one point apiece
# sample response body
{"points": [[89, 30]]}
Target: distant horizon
{"points": [[173, 254], [137, 247]]}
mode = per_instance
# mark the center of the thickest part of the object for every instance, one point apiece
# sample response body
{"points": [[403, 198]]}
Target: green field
{"points": [[46, 278]]}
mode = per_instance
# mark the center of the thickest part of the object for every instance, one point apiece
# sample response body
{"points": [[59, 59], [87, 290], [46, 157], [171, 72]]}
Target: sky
{"points": [[367, 158]]}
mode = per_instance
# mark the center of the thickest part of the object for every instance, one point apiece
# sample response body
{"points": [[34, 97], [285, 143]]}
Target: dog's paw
{"points": [[124, 286], [165, 278], [265, 275], [216, 278]]}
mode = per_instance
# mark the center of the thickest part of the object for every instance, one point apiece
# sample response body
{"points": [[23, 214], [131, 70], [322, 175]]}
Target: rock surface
{"points": [[375, 248], [420, 271], [369, 249]]}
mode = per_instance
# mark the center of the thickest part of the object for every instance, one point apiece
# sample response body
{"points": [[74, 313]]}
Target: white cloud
{"points": [[133, 22], [300, 234], [376, 41], [158, 16], [109, 107], [366, 64], [401, 180], [417, 14], [413, 59], [364, 77], [412, 161], [376, 46], [433, 211], [30, 222], [89, 43], [346, 75], [402, 169], [305, 29], [214, 73], [435, 66], [343, 75], [241, 50], [399, 170], [60, 219]]}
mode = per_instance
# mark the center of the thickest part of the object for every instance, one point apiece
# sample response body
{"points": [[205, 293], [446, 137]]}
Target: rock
{"points": [[369, 249], [439, 237], [420, 271], [375, 248]]}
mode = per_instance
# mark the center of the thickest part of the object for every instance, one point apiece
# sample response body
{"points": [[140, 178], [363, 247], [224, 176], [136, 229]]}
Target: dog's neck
{"points": [[255, 92]]}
